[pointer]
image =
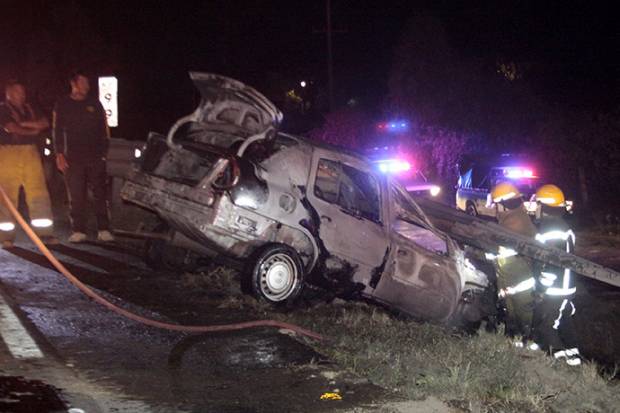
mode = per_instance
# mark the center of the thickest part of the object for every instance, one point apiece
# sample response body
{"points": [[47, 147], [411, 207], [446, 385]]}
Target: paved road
{"points": [[107, 363]]}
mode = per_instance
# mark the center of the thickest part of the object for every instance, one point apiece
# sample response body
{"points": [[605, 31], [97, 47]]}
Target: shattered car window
{"points": [[410, 224], [326, 183], [355, 191]]}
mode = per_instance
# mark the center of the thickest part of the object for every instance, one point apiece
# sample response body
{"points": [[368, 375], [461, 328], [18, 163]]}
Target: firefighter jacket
{"points": [[553, 280], [517, 220], [516, 270]]}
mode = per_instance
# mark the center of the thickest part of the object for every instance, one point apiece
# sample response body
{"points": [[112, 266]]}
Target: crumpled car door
{"points": [[347, 199], [421, 278]]}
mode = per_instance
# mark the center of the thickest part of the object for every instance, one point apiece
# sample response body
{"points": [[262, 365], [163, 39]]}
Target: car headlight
{"points": [[435, 190]]}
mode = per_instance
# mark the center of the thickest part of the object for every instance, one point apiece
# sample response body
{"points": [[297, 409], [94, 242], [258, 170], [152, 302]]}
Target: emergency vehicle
{"points": [[391, 156], [477, 178]]}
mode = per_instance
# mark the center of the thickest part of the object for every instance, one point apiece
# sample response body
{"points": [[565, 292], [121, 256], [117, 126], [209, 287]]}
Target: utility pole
{"points": [[329, 31], [330, 70]]}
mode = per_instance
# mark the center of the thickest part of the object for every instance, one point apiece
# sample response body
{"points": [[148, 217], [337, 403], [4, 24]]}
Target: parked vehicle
{"points": [[227, 184], [391, 160], [478, 177]]}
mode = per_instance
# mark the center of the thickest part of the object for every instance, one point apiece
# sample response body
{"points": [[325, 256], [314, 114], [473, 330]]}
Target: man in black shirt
{"points": [[20, 165], [81, 140]]}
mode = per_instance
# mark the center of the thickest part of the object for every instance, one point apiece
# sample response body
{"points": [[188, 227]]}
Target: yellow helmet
{"points": [[504, 191], [550, 195]]}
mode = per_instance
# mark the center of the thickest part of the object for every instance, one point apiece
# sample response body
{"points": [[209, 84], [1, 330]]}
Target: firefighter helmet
{"points": [[550, 195], [504, 191]]}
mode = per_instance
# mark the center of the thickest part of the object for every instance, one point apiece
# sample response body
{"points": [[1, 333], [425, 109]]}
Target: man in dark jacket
{"points": [[81, 137], [20, 165]]}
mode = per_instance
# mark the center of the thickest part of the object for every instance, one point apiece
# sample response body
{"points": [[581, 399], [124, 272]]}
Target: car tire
{"points": [[470, 209], [277, 274]]}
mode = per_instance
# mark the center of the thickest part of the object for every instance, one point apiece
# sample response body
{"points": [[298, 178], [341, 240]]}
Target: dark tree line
{"points": [[462, 105]]}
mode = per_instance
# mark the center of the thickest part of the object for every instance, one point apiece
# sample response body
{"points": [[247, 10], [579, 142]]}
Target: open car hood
{"points": [[229, 103]]}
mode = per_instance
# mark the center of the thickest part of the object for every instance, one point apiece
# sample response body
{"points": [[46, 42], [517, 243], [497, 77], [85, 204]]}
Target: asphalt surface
{"points": [[95, 360]]}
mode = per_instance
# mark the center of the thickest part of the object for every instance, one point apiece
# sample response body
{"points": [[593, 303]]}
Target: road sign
{"points": [[108, 96]]}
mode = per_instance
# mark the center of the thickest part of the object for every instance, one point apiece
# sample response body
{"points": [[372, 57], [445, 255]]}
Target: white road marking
{"points": [[15, 336]]}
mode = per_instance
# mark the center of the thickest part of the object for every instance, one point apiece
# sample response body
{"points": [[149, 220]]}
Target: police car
{"points": [[478, 177], [392, 160]]}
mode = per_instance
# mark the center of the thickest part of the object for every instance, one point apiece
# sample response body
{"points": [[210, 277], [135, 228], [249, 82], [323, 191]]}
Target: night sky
{"points": [[571, 52]]}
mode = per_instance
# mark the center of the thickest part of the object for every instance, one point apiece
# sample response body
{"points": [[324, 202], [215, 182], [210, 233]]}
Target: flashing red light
{"points": [[394, 126], [393, 166]]}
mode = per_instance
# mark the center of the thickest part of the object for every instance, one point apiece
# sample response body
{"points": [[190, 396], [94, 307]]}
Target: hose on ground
{"points": [[132, 316]]}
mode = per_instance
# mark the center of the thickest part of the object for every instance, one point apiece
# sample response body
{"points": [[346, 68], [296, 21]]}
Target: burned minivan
{"points": [[227, 183]]}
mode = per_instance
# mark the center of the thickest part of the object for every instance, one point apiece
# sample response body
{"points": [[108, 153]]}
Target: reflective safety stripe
{"points": [[556, 323], [522, 286], [546, 282], [571, 352], [547, 278], [566, 281], [504, 197], [506, 252], [7, 226], [553, 235], [560, 291], [42, 222], [502, 253]]}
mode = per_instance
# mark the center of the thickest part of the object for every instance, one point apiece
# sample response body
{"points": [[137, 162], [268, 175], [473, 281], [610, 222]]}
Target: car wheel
{"points": [[470, 209], [277, 274]]}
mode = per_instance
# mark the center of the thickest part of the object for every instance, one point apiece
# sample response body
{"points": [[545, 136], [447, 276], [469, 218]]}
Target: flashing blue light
{"points": [[393, 166], [394, 126], [515, 172]]}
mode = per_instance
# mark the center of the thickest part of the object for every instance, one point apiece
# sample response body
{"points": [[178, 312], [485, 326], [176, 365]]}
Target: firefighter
{"points": [[20, 165], [515, 280], [553, 327]]}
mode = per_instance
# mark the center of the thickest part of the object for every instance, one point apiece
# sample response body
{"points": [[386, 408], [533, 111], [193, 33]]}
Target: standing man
{"points": [[20, 165], [553, 324], [81, 137], [514, 273]]}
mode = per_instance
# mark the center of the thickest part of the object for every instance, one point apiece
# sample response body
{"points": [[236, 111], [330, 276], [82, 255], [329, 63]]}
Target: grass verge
{"points": [[481, 373]]}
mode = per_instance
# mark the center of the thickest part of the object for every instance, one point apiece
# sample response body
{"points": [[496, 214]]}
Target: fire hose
{"points": [[132, 316]]}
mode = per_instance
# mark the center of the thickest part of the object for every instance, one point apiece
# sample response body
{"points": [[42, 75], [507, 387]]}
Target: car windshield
{"points": [[411, 223], [407, 208]]}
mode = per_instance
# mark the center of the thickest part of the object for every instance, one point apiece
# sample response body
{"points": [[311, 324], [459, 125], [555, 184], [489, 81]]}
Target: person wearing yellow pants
{"points": [[21, 167]]}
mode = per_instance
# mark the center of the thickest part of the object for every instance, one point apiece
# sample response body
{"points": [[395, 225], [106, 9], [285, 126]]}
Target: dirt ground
{"points": [[598, 304]]}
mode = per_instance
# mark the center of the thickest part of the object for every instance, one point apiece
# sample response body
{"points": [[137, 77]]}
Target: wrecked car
{"points": [[227, 184]]}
